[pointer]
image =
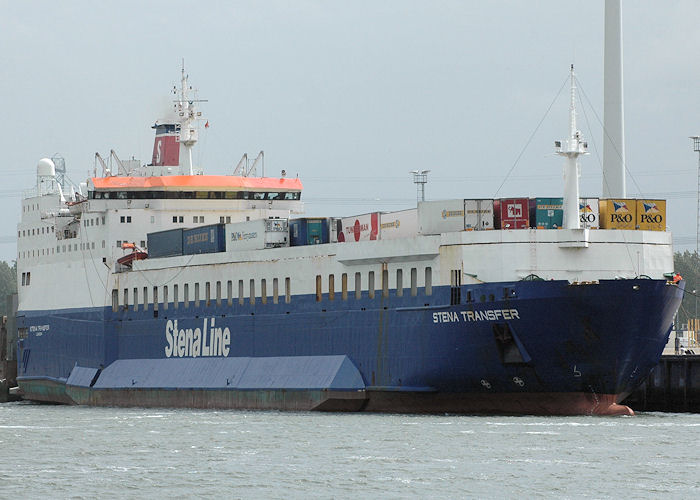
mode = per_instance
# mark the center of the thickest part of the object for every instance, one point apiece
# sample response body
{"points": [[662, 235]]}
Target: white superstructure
{"points": [[69, 243]]}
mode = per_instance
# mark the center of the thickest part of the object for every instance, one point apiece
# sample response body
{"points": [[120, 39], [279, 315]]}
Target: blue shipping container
{"points": [[165, 243], [308, 231], [204, 239]]}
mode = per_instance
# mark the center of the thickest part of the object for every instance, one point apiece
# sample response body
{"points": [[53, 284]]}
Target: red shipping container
{"points": [[512, 213]]}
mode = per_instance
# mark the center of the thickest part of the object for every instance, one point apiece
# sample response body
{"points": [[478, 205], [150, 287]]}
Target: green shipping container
{"points": [[547, 213]]}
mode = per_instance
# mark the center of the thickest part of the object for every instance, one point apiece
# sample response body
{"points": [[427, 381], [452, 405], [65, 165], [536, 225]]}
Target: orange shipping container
{"points": [[618, 214], [651, 215]]}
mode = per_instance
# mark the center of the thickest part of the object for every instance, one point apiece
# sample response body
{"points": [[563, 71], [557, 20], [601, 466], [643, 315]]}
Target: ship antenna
{"points": [[188, 116], [572, 148]]}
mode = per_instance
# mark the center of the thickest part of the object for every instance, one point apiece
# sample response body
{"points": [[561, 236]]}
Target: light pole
{"points": [[696, 148], [420, 178]]}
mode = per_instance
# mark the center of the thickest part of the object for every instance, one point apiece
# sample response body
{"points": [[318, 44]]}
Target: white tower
{"points": [[613, 108], [572, 148]]}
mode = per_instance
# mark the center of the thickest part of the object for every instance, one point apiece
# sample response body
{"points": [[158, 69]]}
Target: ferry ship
{"points": [[158, 285]]}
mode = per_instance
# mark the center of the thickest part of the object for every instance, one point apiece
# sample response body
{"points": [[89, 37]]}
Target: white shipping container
{"points": [[401, 224], [360, 228], [257, 234], [588, 213], [442, 216], [478, 215]]}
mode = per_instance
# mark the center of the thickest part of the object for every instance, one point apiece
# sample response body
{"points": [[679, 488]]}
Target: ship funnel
{"points": [[166, 148]]}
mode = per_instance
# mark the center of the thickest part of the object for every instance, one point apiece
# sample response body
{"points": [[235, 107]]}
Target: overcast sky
{"points": [[351, 96]]}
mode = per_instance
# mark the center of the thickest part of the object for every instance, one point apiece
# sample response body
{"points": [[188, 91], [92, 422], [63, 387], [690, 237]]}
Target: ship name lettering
{"points": [[491, 315], [488, 315], [207, 341]]}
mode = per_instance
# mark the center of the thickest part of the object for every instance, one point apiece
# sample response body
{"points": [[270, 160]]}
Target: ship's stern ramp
{"points": [[322, 383]]}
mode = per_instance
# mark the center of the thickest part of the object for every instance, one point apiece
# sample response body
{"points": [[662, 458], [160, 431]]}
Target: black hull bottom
{"points": [[574, 403]]}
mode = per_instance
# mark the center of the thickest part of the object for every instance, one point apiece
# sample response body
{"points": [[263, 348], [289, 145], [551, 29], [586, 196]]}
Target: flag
{"points": [[206, 125]]}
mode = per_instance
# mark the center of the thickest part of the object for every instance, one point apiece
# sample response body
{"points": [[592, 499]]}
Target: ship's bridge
{"points": [[217, 187]]}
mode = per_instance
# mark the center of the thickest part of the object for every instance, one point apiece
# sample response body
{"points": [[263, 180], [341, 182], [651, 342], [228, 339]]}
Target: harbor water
{"points": [[80, 452]]}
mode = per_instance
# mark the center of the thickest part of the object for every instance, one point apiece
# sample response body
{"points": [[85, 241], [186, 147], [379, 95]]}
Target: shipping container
{"points": [[257, 234], [478, 214], [164, 243], [308, 231], [588, 213], [359, 228], [400, 224], [204, 239], [651, 215], [441, 216], [511, 213], [546, 213], [618, 214]]}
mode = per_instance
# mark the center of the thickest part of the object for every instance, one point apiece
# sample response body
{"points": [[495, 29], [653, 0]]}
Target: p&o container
{"points": [[618, 213], [651, 215], [588, 213]]}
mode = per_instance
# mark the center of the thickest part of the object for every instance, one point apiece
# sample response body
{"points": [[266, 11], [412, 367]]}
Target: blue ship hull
{"points": [[537, 347]]}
